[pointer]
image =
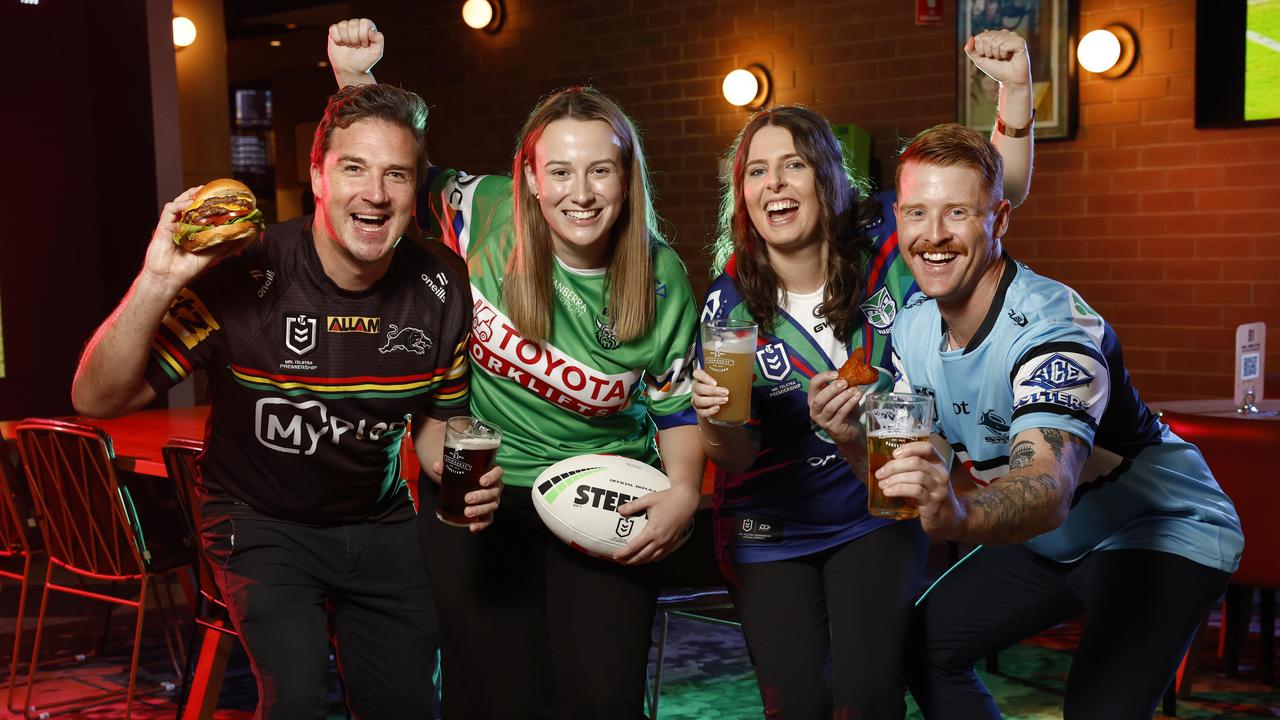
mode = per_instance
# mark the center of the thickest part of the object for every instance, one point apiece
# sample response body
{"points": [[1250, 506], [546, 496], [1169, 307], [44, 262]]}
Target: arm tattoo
{"points": [[1053, 438], [1023, 453], [1008, 504]]}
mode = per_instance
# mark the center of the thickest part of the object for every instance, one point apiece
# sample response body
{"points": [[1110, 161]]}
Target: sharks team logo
{"points": [[880, 309], [1018, 318], [300, 336], [995, 425], [1059, 372], [774, 363]]}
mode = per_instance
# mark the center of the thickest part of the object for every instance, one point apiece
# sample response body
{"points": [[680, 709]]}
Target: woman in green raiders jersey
{"points": [[581, 343], [824, 590]]}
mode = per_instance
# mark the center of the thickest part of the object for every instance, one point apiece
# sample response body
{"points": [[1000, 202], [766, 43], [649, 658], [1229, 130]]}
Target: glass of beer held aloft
{"points": [[893, 420], [470, 445], [728, 355]]}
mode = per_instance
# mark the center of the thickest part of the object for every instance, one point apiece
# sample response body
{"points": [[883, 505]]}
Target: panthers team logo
{"points": [[774, 363], [605, 334], [300, 335], [995, 425], [1059, 372], [409, 339], [880, 309]]}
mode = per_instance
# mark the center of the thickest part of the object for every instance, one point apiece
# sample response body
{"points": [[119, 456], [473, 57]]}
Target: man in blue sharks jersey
{"points": [[1084, 500]]}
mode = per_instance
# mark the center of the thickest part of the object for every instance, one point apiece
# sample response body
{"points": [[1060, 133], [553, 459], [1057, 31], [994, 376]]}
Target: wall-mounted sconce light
{"points": [[1109, 51], [486, 15], [275, 43], [748, 87], [184, 32]]}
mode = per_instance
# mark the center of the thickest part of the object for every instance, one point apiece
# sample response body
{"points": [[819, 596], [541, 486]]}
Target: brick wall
{"points": [[1173, 233]]}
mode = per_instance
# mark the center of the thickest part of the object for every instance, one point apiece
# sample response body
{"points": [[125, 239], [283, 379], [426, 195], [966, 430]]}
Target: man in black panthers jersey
{"points": [[322, 341]]}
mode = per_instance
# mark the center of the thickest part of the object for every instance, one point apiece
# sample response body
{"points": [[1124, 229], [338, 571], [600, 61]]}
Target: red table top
{"points": [[138, 437]]}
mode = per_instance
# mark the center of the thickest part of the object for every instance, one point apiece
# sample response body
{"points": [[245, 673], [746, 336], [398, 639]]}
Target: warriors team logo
{"points": [[605, 334], [880, 309], [995, 425], [300, 336], [774, 363], [1059, 372], [409, 339]]}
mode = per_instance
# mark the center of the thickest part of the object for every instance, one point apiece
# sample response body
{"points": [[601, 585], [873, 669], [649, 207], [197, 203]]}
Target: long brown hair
{"points": [[846, 207], [630, 278]]}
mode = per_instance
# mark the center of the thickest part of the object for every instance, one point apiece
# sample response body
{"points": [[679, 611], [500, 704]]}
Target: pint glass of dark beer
{"points": [[893, 420], [469, 447]]}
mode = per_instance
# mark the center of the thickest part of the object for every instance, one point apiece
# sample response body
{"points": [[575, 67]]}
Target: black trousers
{"points": [[531, 628], [1141, 607], [289, 587], [827, 632]]}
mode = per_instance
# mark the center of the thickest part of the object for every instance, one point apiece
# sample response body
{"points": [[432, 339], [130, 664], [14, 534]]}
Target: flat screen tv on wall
{"points": [[1237, 63]]}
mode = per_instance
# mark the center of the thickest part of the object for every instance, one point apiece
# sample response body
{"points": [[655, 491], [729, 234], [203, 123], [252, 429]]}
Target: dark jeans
{"points": [[288, 587], [1141, 607], [531, 628], [827, 631]]}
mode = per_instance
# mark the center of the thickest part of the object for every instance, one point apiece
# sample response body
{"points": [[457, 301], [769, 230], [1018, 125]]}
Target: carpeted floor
{"points": [[707, 673]]}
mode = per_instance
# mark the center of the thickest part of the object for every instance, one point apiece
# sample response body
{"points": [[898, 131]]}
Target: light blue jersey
{"points": [[1044, 359]]}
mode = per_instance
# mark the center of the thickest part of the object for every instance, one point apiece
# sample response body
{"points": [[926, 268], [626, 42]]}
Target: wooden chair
{"points": [[91, 527], [1241, 454]]}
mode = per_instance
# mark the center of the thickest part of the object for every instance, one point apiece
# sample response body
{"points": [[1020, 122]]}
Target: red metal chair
{"points": [[19, 540], [202, 684], [1241, 453], [90, 526]]}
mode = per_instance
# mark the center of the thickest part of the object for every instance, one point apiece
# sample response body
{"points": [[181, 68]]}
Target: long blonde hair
{"points": [[630, 278]]}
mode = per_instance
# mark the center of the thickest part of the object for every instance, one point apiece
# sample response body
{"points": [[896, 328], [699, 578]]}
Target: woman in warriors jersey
{"points": [[816, 580], [581, 343]]}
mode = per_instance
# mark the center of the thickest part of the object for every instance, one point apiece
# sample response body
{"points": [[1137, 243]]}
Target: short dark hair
{"points": [[377, 101], [954, 145]]}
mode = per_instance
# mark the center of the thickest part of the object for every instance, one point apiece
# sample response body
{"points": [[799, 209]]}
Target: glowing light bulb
{"points": [[1099, 50], [477, 13], [184, 31], [740, 87]]}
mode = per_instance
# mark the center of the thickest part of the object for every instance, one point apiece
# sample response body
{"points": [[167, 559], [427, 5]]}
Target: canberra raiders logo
{"points": [[880, 309], [605, 335]]}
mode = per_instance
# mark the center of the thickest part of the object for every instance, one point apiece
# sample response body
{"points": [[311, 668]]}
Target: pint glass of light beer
{"points": [[728, 355], [893, 420], [469, 447]]}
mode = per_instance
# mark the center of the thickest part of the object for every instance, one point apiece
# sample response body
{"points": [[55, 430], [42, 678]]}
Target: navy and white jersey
{"points": [[1044, 359], [800, 496]]}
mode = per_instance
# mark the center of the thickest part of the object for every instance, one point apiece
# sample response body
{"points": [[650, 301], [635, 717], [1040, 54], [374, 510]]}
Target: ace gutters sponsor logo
{"points": [[542, 368]]}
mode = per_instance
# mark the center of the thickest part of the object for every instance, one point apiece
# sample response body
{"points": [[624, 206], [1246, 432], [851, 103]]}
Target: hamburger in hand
{"points": [[224, 210]]}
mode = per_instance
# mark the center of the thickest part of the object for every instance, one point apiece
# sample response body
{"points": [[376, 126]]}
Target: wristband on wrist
{"points": [[1015, 132]]}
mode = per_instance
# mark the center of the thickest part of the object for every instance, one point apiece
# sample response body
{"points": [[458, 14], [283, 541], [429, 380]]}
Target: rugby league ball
{"points": [[578, 500]]}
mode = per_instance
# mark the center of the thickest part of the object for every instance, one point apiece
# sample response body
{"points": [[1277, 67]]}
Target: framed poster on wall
{"points": [[1049, 28]]}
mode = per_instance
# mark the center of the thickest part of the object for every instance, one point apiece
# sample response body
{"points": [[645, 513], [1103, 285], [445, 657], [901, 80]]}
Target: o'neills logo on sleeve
{"points": [[497, 347]]}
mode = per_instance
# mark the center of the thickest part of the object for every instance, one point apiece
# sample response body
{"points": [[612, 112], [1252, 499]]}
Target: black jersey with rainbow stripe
{"points": [[312, 387]]}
